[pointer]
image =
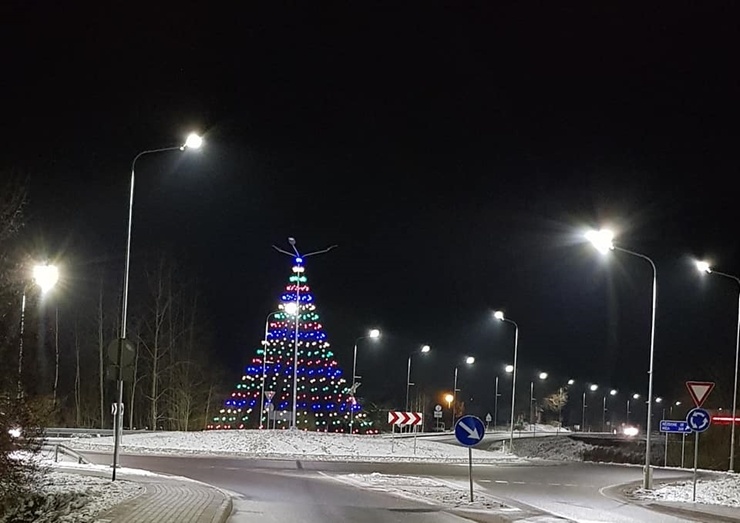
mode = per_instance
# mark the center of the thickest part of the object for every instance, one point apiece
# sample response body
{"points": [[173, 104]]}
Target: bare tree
{"points": [[78, 410], [154, 343], [101, 354]]}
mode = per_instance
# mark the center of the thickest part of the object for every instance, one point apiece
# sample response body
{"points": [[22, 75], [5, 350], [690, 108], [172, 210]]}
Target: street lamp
{"points": [[469, 360], [423, 350], [593, 388], [288, 308], [373, 334], [603, 241], [45, 276], [612, 392], [704, 267], [542, 376], [634, 397], [193, 141], [499, 315]]}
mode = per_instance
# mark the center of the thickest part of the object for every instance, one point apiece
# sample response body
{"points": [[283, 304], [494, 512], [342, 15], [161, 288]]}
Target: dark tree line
{"points": [[67, 371]]}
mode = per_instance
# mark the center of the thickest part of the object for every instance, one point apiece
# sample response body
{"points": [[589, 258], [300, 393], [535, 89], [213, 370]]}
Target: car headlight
{"points": [[631, 431]]}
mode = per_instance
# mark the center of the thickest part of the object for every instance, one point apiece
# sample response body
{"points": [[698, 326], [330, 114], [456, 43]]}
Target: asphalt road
{"points": [[315, 491]]}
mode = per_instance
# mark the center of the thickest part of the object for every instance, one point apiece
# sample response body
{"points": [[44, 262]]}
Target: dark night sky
{"points": [[454, 153]]}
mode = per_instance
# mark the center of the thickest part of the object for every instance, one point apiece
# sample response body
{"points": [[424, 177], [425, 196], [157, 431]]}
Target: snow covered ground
{"points": [[293, 445], [721, 491], [67, 497]]}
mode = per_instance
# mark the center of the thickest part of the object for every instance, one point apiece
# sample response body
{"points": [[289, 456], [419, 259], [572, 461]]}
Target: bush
{"points": [[20, 438]]}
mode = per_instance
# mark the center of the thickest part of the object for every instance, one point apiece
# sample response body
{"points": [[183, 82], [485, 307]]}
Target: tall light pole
{"points": [[499, 315], [603, 241], [373, 334], [289, 308], [45, 276], [298, 269], [532, 414], [634, 397], [704, 267], [612, 392], [593, 388], [193, 141], [423, 350], [468, 360]]}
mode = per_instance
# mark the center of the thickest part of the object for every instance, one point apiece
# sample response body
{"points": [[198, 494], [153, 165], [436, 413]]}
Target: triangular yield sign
{"points": [[699, 390]]}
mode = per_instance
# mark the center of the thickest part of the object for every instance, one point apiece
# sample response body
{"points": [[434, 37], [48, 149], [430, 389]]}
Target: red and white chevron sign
{"points": [[403, 419]]}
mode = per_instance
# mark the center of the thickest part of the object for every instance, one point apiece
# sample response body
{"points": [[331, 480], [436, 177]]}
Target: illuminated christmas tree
{"points": [[323, 397]]}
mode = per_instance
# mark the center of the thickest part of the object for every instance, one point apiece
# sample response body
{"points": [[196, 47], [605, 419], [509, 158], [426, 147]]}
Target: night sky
{"points": [[455, 153]]}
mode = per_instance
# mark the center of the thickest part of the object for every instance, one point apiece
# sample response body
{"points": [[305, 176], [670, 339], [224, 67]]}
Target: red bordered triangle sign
{"points": [[699, 390]]}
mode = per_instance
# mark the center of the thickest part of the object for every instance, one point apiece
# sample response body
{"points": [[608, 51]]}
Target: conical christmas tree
{"points": [[264, 397]]}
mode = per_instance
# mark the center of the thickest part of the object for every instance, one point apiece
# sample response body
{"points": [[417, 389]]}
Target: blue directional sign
{"points": [[698, 420], [680, 427], [469, 430]]}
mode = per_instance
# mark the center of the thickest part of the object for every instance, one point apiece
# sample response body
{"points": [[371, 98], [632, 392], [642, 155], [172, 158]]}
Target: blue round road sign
{"points": [[698, 420], [469, 430]]}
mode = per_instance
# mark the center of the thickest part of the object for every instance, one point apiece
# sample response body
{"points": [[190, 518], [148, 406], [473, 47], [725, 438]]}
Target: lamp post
{"points": [[45, 276], [704, 267], [423, 350], [634, 397], [561, 400], [193, 141], [499, 315], [612, 392], [289, 308], [468, 360], [593, 388], [373, 334], [603, 241], [532, 414]]}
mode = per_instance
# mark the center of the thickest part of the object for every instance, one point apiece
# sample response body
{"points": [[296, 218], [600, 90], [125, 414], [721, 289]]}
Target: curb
{"points": [[618, 492]]}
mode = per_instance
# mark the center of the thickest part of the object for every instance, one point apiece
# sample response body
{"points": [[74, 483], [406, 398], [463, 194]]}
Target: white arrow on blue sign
{"points": [[469, 430], [698, 420], [670, 426]]}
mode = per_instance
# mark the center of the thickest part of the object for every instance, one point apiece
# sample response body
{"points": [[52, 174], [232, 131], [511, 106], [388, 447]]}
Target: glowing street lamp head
{"points": [[542, 375], [571, 382], [499, 315], [601, 239], [45, 276], [193, 141], [470, 360], [374, 333], [291, 308], [448, 398], [678, 404], [593, 387], [509, 368], [703, 266], [426, 348], [635, 396], [613, 392], [658, 400]]}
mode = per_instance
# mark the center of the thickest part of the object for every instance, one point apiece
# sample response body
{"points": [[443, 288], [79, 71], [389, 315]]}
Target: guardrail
{"points": [[62, 432], [58, 448]]}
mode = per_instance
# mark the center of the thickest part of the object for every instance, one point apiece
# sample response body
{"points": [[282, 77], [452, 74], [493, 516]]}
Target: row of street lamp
{"points": [[603, 241]]}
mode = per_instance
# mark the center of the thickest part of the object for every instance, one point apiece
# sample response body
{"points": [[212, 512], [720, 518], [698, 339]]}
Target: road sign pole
{"points": [[470, 471], [665, 451], [683, 446], [696, 461]]}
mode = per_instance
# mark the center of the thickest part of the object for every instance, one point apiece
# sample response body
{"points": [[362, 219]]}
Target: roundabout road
{"points": [[269, 490]]}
